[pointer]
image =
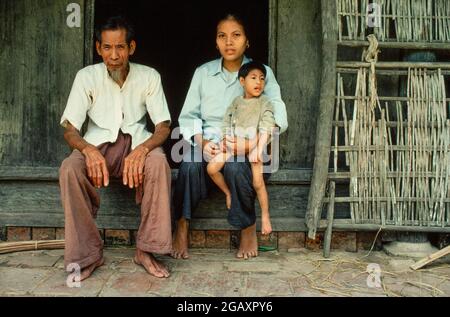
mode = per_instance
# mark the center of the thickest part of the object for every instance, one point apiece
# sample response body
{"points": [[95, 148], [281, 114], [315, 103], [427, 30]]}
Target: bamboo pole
{"points": [[9, 247], [400, 45], [393, 65], [330, 219]]}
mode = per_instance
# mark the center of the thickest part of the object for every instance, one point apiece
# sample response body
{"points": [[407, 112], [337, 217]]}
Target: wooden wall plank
{"points": [[27, 173], [39, 59], [298, 65], [27, 203]]}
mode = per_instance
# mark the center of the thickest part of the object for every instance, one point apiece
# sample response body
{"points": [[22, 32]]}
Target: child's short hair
{"points": [[248, 67]]}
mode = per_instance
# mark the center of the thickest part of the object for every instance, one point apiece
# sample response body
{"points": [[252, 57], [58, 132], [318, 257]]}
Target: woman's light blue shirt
{"points": [[210, 95]]}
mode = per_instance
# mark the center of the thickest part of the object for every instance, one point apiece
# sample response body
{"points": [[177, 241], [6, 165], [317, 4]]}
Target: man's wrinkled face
{"points": [[115, 51]]}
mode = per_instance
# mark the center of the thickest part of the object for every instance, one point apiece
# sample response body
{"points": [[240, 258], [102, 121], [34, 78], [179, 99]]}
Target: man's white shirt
{"points": [[111, 108]]}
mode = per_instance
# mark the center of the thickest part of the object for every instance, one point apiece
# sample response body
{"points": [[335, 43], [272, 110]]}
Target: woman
{"points": [[213, 88]]}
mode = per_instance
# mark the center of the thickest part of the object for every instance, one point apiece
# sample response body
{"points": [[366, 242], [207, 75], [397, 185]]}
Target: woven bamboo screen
{"points": [[395, 150], [401, 20]]}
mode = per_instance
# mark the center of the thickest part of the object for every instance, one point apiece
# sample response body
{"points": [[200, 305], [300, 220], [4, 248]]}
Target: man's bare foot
{"points": [[181, 241], [151, 265], [248, 246], [87, 271], [228, 199], [266, 226]]}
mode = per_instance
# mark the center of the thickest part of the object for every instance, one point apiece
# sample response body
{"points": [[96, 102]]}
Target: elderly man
{"points": [[116, 95]]}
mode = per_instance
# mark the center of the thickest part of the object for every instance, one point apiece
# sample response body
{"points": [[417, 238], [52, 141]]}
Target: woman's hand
{"points": [[239, 146], [133, 171], [223, 145], [210, 149], [255, 156], [96, 166]]}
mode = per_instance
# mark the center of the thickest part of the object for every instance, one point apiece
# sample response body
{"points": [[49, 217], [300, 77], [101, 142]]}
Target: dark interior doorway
{"points": [[175, 37]]}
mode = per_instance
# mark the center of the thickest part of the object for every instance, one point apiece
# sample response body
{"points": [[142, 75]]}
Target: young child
{"points": [[249, 117]]}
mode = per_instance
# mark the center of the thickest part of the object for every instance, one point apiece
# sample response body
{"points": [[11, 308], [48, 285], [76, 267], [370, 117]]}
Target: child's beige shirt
{"points": [[246, 117]]}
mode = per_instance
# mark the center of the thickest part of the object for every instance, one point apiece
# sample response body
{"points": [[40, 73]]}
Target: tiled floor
{"points": [[212, 272]]}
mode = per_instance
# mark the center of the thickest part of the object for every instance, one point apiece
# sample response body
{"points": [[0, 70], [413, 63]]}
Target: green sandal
{"points": [[266, 248]]}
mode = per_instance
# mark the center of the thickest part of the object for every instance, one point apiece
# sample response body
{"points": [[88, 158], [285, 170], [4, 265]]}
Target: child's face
{"points": [[253, 84]]}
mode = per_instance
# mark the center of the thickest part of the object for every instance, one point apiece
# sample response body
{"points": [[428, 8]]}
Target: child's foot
{"points": [[228, 201], [266, 226]]}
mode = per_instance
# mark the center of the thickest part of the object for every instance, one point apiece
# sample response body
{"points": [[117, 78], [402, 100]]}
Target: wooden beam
{"points": [[387, 199], [28, 203], [407, 148], [347, 225], [395, 124], [389, 72], [37, 173], [400, 45], [431, 258], [325, 117], [347, 175], [394, 65], [384, 98]]}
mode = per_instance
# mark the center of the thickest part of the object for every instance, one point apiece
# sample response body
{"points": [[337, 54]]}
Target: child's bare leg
{"points": [[214, 167], [263, 197]]}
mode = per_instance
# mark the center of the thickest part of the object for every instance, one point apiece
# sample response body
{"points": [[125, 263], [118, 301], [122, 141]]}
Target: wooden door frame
{"points": [[273, 34], [89, 25], [89, 18]]}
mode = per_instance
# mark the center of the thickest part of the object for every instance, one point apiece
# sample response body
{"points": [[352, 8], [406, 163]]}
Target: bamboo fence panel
{"points": [[399, 20], [398, 169]]}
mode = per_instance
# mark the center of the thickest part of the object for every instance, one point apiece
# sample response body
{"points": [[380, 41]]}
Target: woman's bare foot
{"points": [[228, 199], [151, 265], [181, 241], [248, 246], [87, 271], [266, 226]]}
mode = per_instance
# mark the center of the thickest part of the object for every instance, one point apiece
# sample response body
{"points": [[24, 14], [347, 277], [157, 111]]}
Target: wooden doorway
{"points": [[175, 37]]}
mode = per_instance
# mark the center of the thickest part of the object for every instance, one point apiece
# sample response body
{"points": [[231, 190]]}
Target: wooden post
{"points": [[89, 14], [431, 258], [2, 233], [325, 118], [330, 218]]}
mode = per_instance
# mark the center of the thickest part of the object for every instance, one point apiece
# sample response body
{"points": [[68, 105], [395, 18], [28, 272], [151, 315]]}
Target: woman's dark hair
{"points": [[248, 67], [115, 23], [236, 18]]}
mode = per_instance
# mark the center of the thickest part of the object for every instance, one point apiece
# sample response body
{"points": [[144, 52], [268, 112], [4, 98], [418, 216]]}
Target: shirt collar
{"points": [[215, 68]]}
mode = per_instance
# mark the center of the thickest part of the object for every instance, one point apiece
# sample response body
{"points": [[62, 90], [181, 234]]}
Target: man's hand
{"points": [[95, 162], [96, 166], [133, 171]]}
